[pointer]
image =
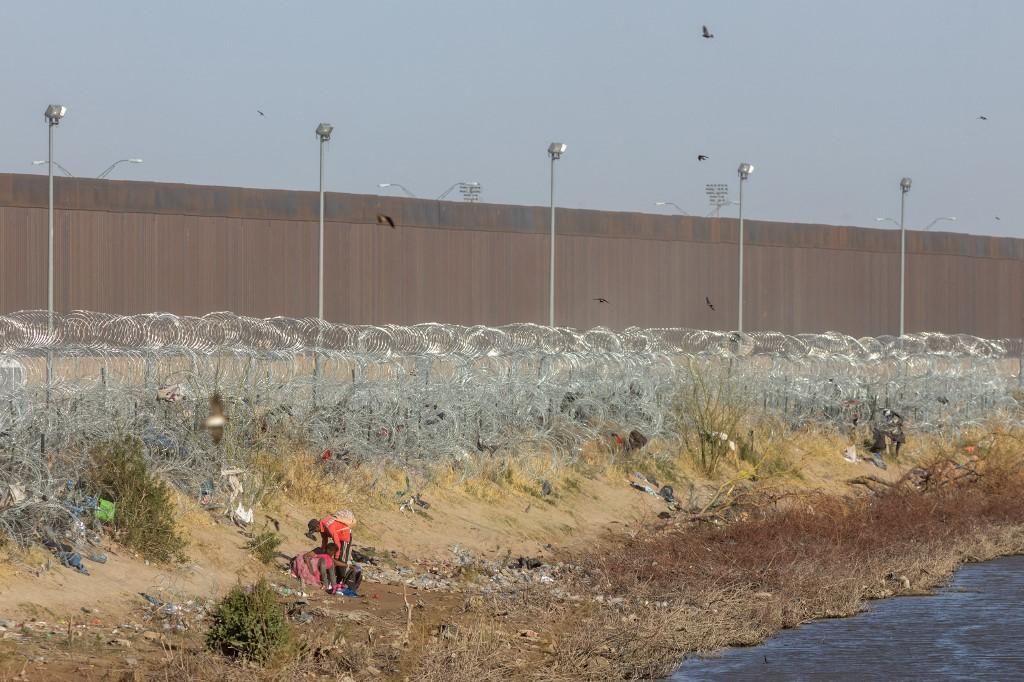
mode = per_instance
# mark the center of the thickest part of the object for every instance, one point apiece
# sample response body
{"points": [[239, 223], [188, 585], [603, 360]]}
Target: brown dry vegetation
{"points": [[696, 588], [778, 544]]}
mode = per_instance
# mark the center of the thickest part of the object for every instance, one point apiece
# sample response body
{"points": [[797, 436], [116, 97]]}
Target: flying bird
{"points": [[260, 112], [708, 301], [702, 157], [216, 421], [983, 117], [601, 300], [706, 33], [998, 218], [385, 220]]}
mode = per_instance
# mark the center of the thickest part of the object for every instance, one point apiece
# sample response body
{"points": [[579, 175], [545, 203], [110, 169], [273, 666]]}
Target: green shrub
{"points": [[144, 519], [249, 624], [264, 546]]}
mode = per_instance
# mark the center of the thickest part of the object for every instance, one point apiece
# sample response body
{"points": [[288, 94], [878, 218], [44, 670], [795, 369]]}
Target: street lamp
{"points": [[904, 188], [114, 165], [744, 171], [323, 132], [950, 218], [66, 171], [53, 114], [385, 185], [555, 151], [671, 203], [469, 183]]}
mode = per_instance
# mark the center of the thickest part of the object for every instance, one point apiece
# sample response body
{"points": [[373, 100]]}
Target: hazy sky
{"points": [[833, 101]]}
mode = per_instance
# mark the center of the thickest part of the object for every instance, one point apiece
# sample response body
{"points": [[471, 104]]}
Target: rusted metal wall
{"points": [[130, 247]]}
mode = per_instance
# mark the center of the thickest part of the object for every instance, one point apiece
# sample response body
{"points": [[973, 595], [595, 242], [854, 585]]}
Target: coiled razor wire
{"points": [[421, 394]]}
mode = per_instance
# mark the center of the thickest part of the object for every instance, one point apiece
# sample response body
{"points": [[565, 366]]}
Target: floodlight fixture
{"points": [[745, 170], [323, 131], [54, 113], [905, 185], [556, 149]]}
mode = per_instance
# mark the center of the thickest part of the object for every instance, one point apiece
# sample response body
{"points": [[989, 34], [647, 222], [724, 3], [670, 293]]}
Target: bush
{"points": [[709, 405], [249, 624], [144, 519], [264, 546]]}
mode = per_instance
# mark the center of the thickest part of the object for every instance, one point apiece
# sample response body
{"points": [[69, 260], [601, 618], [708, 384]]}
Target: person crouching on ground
{"points": [[336, 532], [315, 567]]}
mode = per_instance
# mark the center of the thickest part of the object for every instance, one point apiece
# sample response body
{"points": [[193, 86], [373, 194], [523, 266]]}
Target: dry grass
{"points": [[698, 587]]}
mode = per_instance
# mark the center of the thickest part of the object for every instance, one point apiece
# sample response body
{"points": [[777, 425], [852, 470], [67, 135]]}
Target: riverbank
{"points": [[621, 593]]}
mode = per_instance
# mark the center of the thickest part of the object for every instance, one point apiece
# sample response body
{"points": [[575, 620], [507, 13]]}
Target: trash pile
{"points": [[465, 567]]}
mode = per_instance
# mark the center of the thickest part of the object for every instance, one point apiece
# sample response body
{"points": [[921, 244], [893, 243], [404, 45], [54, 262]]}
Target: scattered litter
{"points": [[12, 495], [850, 454], [99, 558], [641, 485], [105, 510], [527, 563], [243, 515], [152, 600], [667, 493], [545, 488]]}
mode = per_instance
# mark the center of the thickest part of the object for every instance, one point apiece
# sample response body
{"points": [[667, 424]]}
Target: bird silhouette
{"points": [[998, 218], [260, 112], [601, 300], [705, 33], [708, 301], [702, 157], [214, 424], [983, 117], [385, 220]]}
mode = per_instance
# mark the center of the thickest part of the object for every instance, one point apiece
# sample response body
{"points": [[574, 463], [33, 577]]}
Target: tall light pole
{"points": [[744, 171], [555, 151], [323, 132], [904, 188], [54, 113]]}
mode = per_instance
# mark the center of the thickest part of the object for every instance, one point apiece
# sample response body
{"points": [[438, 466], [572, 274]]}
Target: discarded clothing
{"points": [[72, 560]]}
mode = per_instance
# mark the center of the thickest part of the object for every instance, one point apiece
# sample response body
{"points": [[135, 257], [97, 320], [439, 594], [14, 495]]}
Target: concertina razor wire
{"points": [[416, 395]]}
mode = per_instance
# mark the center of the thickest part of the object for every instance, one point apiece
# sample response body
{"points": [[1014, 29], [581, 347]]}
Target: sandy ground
{"points": [[58, 622]]}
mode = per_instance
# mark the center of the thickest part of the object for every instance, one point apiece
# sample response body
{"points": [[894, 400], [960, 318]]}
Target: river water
{"points": [[972, 629]]}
